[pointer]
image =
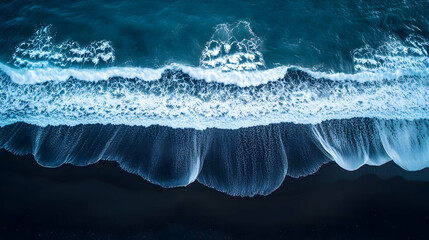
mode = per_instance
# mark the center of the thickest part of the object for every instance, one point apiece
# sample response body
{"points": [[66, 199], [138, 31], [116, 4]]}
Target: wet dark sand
{"points": [[102, 201]]}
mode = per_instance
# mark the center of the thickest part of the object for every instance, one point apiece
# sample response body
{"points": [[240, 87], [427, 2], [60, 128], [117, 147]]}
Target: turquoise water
{"points": [[310, 34]]}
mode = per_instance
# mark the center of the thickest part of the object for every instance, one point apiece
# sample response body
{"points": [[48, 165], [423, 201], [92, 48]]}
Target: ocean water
{"points": [[236, 95]]}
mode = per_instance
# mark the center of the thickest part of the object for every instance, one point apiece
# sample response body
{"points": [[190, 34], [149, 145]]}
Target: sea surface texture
{"points": [[236, 95]]}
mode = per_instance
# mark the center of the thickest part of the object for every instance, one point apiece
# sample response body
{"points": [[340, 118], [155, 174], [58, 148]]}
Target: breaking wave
{"points": [[231, 123], [178, 100], [40, 50]]}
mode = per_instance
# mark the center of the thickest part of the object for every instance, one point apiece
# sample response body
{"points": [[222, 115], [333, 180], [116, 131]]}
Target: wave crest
{"points": [[40, 50], [394, 54], [233, 47]]}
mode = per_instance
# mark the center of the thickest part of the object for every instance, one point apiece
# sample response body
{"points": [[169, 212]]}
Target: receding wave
{"points": [[242, 162]]}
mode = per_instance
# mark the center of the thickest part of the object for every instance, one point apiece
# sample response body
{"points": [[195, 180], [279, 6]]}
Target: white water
{"points": [[391, 82], [177, 102]]}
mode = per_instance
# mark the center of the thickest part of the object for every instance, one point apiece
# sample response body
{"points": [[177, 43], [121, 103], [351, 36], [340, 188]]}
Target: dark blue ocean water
{"points": [[234, 94], [311, 34]]}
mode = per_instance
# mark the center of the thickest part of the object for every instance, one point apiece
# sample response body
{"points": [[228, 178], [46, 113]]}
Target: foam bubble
{"points": [[393, 54], [239, 78], [233, 47], [57, 74], [40, 50]]}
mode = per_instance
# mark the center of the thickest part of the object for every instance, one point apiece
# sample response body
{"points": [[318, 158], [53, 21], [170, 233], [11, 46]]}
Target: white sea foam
{"points": [[177, 102], [57, 74], [40, 50], [393, 54], [233, 47], [239, 78], [246, 98]]}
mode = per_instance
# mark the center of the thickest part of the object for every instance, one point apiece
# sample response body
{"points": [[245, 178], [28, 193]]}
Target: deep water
{"points": [[319, 34]]}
